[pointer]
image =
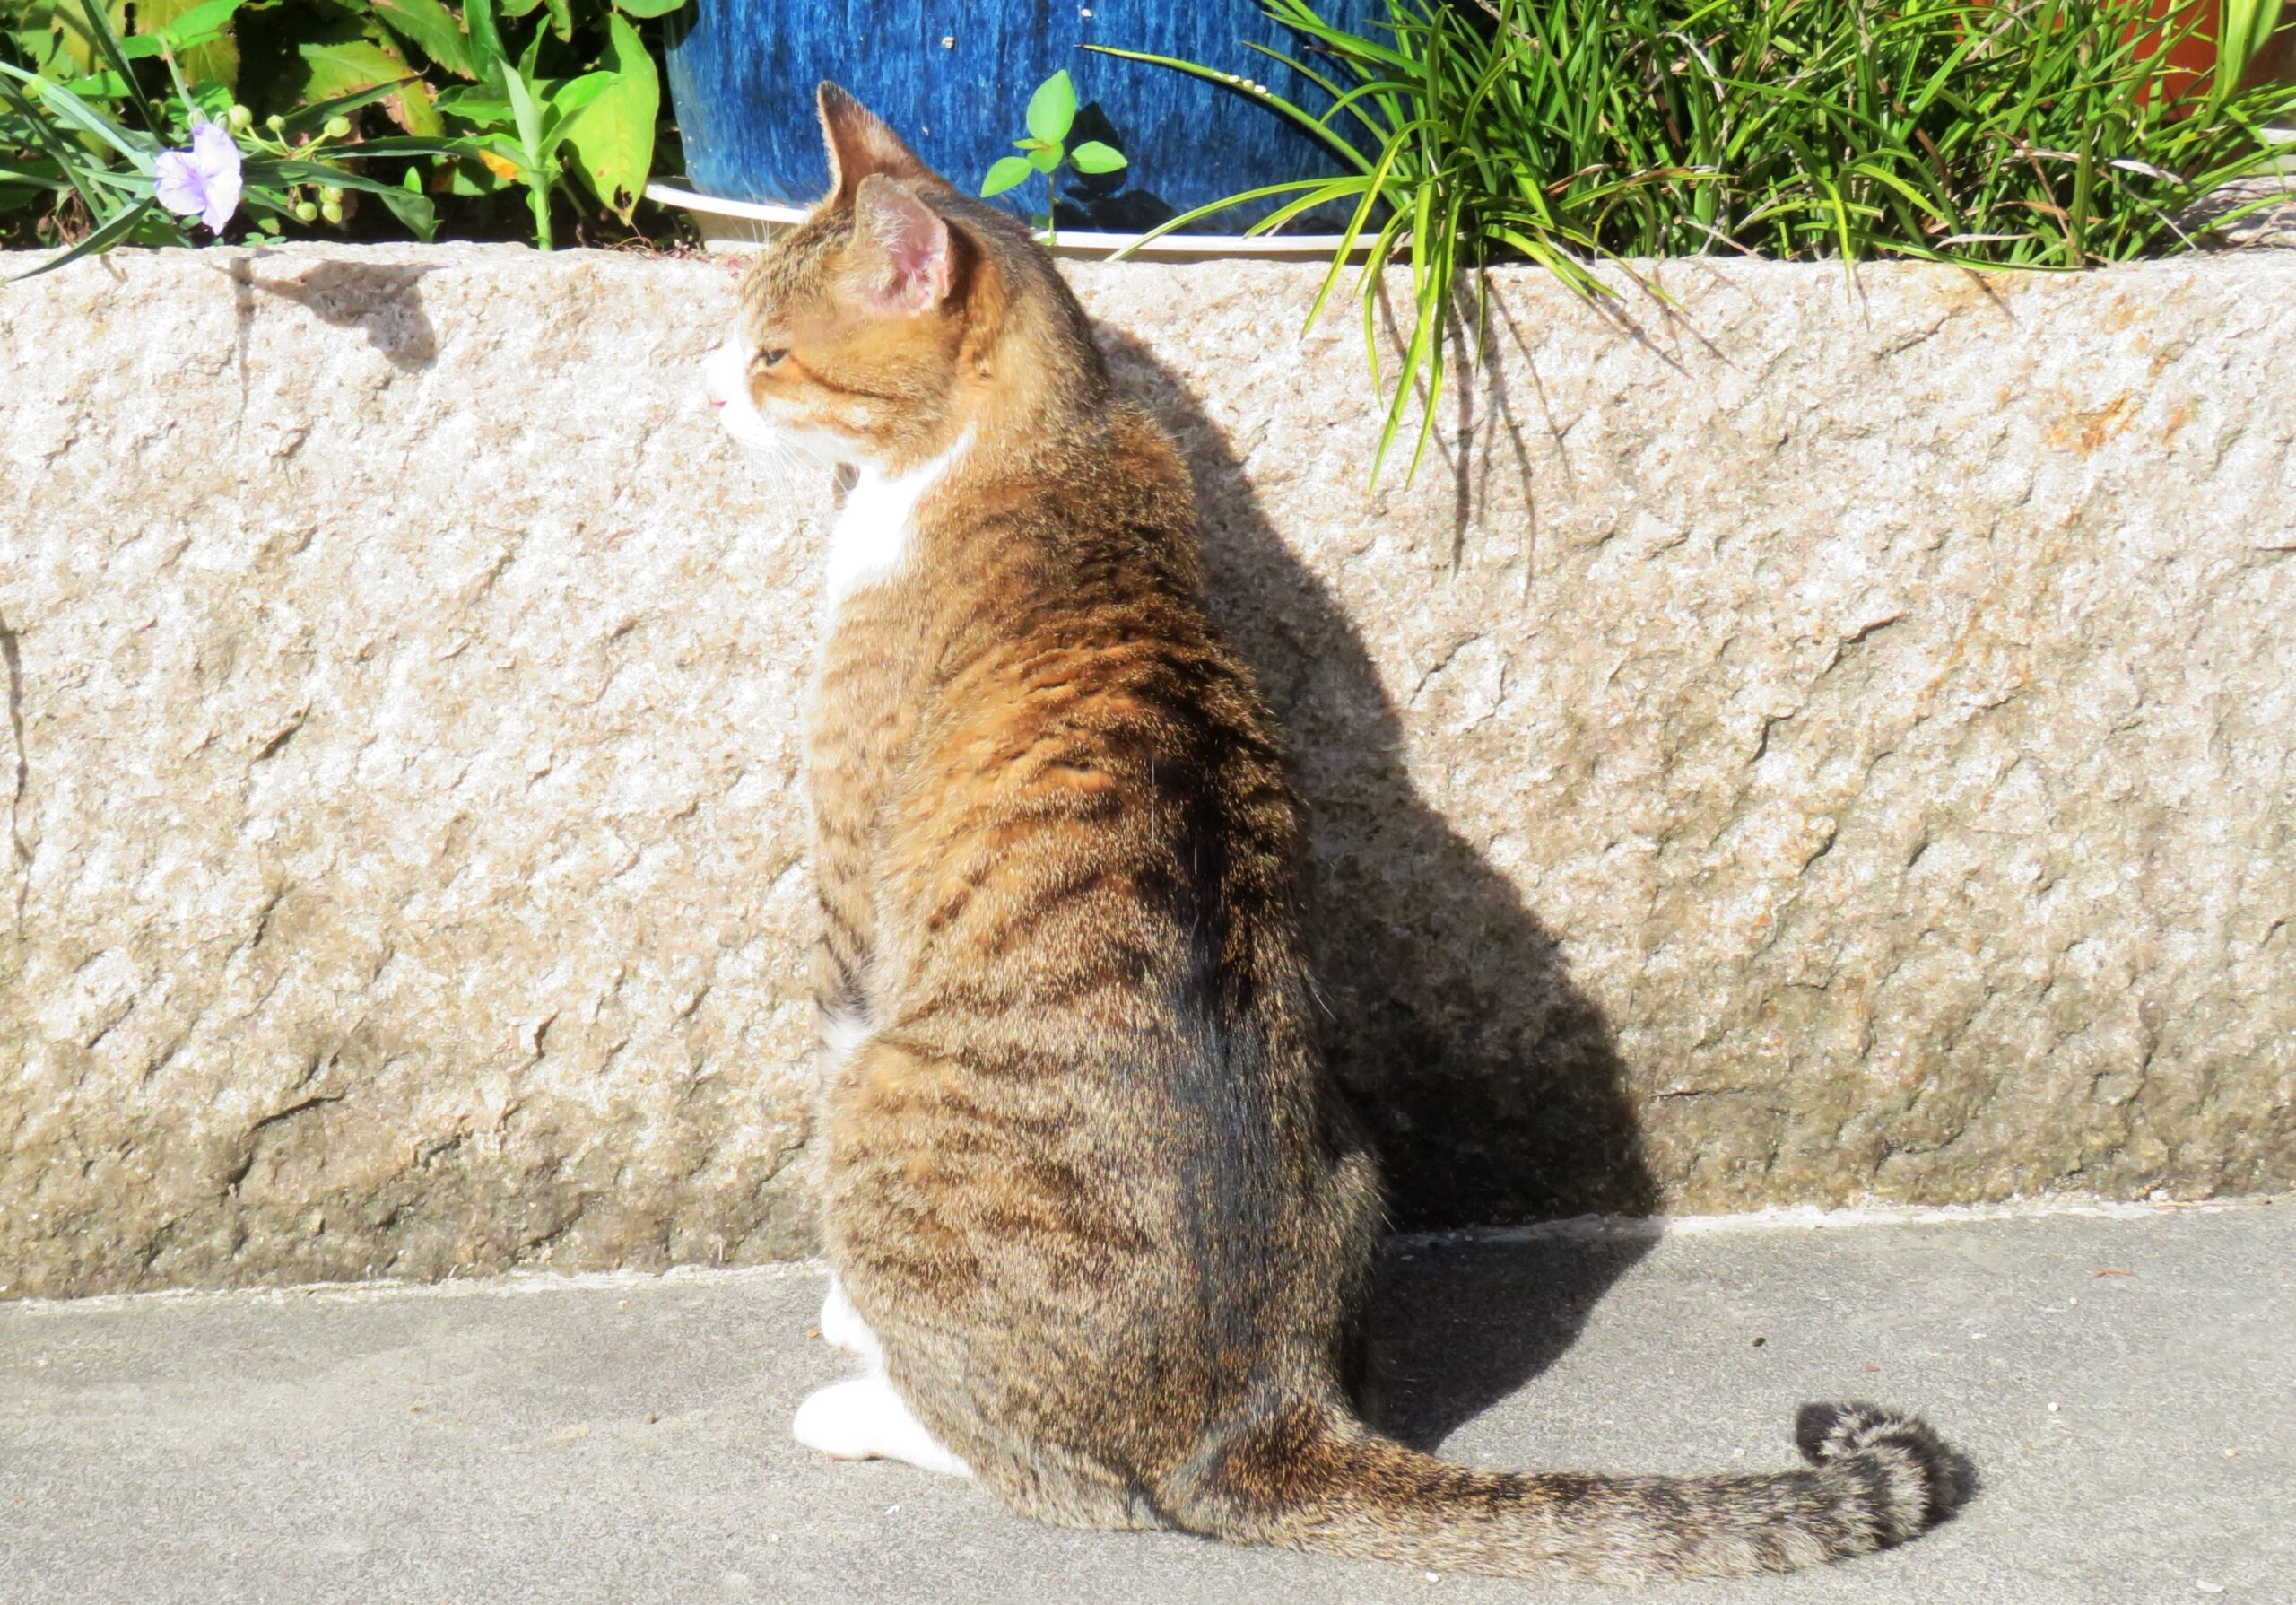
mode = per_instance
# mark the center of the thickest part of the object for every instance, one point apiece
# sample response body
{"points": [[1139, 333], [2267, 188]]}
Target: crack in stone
{"points": [[271, 747], [253, 1135], [13, 653], [300, 1106]]}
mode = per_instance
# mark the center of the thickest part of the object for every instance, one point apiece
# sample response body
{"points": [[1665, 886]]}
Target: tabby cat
{"points": [[1099, 1224]]}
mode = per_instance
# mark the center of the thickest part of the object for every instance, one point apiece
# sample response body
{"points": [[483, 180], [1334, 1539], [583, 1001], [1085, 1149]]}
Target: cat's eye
{"points": [[771, 357]]}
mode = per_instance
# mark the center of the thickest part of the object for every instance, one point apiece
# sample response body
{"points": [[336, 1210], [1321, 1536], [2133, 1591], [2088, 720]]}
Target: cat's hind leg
{"points": [[866, 1419], [843, 1328]]}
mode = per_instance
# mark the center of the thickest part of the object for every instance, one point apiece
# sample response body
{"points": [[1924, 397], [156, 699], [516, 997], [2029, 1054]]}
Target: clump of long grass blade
{"points": [[2041, 134], [1404, 126]]}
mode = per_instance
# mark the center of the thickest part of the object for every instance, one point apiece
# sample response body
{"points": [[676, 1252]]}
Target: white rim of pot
{"points": [[1281, 246]]}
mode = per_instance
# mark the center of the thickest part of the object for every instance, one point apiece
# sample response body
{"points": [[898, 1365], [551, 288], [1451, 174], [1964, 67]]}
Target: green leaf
{"points": [[418, 109], [1052, 110], [564, 105], [648, 8], [72, 162], [472, 177], [197, 33], [48, 47], [98, 23], [535, 163], [214, 101], [349, 67], [35, 176], [402, 145], [480, 108], [1044, 158], [526, 115], [315, 115], [2244, 28], [68, 108], [181, 21], [104, 86], [412, 207], [567, 98], [1006, 172], [1093, 157], [430, 28], [615, 149], [486, 52]]}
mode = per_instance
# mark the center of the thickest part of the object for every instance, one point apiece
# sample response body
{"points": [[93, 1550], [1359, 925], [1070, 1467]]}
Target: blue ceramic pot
{"points": [[953, 78]]}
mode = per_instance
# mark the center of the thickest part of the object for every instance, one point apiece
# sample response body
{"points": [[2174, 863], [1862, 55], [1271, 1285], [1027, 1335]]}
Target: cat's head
{"points": [[899, 316]]}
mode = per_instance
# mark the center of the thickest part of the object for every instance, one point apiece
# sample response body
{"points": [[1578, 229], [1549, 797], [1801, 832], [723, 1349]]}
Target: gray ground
{"points": [[624, 1439]]}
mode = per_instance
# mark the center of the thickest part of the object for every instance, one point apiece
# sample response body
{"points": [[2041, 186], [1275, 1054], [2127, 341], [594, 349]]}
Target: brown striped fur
{"points": [[1086, 1180]]}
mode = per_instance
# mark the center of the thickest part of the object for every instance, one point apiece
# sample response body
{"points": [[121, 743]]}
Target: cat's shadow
{"points": [[1490, 1082], [1457, 1323]]}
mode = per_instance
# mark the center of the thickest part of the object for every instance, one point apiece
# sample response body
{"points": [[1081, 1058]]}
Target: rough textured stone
{"points": [[1815, 741], [2271, 226]]}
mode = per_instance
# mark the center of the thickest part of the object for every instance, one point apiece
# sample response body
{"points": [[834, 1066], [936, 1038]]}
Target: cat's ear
{"points": [[907, 261], [860, 145]]}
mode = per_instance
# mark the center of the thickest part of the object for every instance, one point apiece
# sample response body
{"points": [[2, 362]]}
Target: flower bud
{"points": [[332, 211], [338, 127], [306, 213], [329, 196], [275, 122], [239, 117]]}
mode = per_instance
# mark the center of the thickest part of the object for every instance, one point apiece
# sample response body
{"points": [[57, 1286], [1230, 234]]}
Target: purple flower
{"points": [[204, 180]]}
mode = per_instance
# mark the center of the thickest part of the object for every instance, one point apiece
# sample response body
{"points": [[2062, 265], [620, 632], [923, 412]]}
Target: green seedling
{"points": [[1051, 117]]}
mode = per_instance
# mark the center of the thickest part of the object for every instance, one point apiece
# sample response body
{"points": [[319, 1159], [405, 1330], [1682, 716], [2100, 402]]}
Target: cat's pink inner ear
{"points": [[912, 242]]}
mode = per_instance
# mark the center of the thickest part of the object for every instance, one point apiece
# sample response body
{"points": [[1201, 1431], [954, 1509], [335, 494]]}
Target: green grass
{"points": [[2042, 134]]}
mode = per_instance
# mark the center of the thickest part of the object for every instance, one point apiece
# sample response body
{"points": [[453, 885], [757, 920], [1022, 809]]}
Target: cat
{"points": [[1099, 1224]]}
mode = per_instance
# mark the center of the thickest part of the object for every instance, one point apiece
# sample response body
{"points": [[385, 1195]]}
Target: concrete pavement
{"points": [[2125, 1384]]}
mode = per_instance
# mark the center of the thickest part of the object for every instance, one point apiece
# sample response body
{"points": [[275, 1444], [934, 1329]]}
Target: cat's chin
{"points": [[792, 450]]}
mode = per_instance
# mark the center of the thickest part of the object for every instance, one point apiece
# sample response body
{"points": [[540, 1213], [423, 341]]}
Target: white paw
{"points": [[843, 1328], [842, 1035], [865, 1419]]}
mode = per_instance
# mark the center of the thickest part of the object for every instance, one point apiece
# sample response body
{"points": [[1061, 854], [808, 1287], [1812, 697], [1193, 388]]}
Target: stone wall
{"points": [[1822, 742]]}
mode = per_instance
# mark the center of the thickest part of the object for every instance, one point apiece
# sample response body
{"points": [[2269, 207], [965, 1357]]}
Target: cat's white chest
{"points": [[878, 523]]}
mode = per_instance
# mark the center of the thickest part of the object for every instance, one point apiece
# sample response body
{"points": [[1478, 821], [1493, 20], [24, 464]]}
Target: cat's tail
{"points": [[1307, 1475]]}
